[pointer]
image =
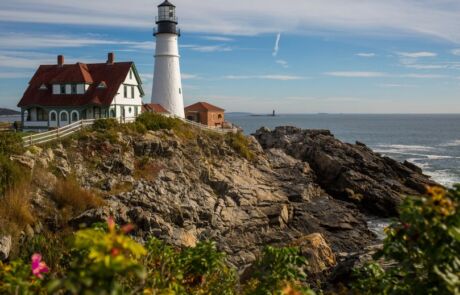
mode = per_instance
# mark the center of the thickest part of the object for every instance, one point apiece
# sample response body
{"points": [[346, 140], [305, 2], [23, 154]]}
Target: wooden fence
{"points": [[62, 132]]}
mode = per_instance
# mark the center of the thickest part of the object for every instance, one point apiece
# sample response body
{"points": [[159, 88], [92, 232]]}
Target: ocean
{"points": [[432, 142]]}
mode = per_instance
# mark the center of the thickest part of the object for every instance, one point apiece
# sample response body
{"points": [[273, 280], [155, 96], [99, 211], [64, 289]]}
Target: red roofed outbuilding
{"points": [[206, 114], [154, 108], [60, 94]]}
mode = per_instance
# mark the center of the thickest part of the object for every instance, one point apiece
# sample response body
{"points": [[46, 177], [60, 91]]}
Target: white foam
{"points": [[444, 177], [404, 147], [451, 143]]}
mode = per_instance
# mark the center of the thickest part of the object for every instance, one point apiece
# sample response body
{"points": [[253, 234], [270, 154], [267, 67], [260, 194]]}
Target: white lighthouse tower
{"points": [[167, 84]]}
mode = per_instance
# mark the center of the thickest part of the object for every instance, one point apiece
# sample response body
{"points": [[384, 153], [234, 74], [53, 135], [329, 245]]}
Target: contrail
{"points": [[277, 45]]}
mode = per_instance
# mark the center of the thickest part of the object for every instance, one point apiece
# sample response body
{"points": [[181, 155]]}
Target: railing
{"points": [[205, 127], [62, 132], [59, 133]]}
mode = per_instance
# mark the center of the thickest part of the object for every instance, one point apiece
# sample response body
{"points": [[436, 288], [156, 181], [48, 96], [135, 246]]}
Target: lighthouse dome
{"points": [[166, 3]]}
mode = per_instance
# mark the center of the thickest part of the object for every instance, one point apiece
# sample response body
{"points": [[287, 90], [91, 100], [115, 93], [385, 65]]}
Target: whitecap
{"points": [[404, 147], [444, 177], [451, 143]]}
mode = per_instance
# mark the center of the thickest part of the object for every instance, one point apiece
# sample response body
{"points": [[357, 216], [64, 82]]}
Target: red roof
{"points": [[112, 74], [203, 106], [154, 107]]}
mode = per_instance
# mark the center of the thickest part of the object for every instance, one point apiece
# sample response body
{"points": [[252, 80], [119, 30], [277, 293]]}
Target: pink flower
{"points": [[38, 266], [111, 224]]}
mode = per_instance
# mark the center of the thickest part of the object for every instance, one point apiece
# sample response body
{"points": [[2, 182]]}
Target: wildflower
{"points": [[111, 224], [127, 228], [38, 267], [115, 252]]}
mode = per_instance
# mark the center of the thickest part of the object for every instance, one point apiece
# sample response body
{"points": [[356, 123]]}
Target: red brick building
{"points": [[206, 114], [154, 108]]}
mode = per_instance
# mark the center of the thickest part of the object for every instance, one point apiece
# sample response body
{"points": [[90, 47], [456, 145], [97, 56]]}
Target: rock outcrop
{"points": [[5, 247], [350, 172]]}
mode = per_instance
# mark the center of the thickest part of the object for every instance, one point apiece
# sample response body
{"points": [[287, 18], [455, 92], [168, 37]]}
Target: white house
{"points": [[64, 93]]}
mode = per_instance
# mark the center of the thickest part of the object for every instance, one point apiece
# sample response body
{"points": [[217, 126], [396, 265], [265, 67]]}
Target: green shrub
{"points": [[17, 278], [152, 121], [11, 143], [424, 243], [278, 269], [105, 124], [240, 143]]}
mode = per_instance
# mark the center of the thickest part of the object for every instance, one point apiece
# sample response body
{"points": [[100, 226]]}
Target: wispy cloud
{"points": [[207, 48], [366, 54], [218, 38], [266, 77], [456, 51], [424, 76], [282, 63], [426, 67], [277, 45], [393, 85], [403, 17], [186, 76], [419, 54], [356, 74]]}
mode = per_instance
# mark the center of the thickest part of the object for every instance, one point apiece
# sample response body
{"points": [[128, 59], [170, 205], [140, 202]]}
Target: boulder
{"points": [[317, 252], [5, 247]]}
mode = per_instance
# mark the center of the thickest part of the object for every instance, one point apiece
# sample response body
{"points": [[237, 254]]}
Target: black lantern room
{"points": [[166, 20]]}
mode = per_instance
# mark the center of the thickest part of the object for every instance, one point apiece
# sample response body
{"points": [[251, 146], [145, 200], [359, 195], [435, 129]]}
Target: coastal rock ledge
{"points": [[349, 172]]}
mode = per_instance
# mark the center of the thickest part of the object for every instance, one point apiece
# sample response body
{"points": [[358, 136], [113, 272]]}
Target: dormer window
{"points": [[62, 88], [102, 85], [73, 89], [43, 87]]}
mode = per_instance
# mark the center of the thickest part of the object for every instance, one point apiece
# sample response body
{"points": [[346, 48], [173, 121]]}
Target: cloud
{"points": [[186, 76], [364, 54], [39, 41], [424, 76], [417, 54], [218, 38], [392, 85], [205, 48], [432, 18], [266, 77], [277, 45], [426, 67], [282, 63], [356, 74], [456, 51]]}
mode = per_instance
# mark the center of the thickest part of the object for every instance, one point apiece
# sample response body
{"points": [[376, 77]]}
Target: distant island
{"points": [[8, 112]]}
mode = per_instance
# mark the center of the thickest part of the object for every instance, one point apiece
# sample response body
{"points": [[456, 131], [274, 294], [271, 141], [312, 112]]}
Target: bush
{"points": [[105, 124], [424, 243], [278, 269], [68, 193], [155, 122], [11, 174], [11, 143], [240, 144]]}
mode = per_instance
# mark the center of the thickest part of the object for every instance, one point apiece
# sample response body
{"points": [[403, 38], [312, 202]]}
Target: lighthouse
{"points": [[167, 84]]}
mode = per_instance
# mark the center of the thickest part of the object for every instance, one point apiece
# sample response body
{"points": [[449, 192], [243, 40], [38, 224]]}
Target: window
{"points": [[42, 115], [62, 89], [73, 89], [130, 110], [180, 91], [43, 87], [102, 85], [53, 117], [74, 116], [130, 74], [132, 91], [125, 91], [64, 117], [112, 113], [219, 116]]}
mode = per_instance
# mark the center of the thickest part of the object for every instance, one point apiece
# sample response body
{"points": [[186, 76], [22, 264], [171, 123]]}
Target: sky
{"points": [[294, 56]]}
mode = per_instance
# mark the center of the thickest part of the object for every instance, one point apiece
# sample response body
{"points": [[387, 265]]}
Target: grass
{"points": [[68, 194], [15, 211], [240, 145], [147, 169]]}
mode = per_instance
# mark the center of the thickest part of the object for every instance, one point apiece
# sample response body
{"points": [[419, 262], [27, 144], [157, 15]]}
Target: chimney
{"points": [[110, 58], [60, 60]]}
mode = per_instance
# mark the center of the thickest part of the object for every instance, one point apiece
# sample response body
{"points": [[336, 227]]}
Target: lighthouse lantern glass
{"points": [[166, 13]]}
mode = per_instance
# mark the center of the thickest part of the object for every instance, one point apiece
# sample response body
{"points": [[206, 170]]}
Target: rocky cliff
{"points": [[299, 187]]}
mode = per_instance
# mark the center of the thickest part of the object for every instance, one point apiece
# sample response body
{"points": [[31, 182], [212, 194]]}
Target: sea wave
{"points": [[409, 153], [404, 147], [445, 177], [452, 143]]}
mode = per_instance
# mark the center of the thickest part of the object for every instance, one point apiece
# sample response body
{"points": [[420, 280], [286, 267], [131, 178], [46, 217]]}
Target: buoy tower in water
{"points": [[167, 84]]}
